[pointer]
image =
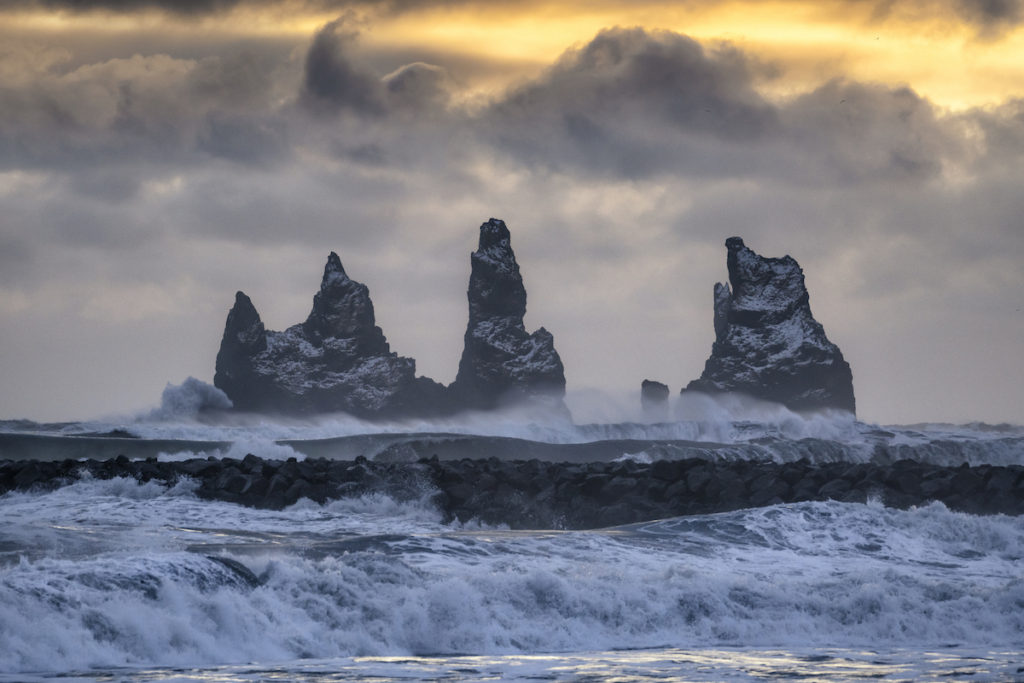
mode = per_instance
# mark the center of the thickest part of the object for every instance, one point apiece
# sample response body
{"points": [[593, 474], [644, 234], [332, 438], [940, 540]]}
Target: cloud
{"points": [[115, 123], [197, 8], [629, 104], [635, 104], [124, 6], [852, 132], [418, 87], [665, 76], [991, 17], [621, 168], [332, 82]]}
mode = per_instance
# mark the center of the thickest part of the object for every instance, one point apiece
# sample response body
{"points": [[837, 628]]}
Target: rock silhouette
{"points": [[767, 343], [654, 399], [338, 359], [501, 362]]}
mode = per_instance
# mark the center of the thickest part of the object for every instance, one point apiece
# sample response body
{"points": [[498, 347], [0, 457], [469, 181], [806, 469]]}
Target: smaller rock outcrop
{"points": [[501, 362], [767, 343], [337, 360], [654, 399], [244, 339]]}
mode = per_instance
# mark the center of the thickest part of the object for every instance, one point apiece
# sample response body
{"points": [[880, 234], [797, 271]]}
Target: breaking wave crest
{"points": [[189, 399], [830, 572]]}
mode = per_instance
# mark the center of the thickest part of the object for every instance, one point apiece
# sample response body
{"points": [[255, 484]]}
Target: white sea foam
{"points": [[759, 430], [189, 399], [640, 457], [263, 448], [109, 581]]}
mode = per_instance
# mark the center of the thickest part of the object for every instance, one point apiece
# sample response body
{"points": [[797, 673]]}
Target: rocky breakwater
{"points": [[545, 495], [501, 362], [337, 360], [767, 343]]}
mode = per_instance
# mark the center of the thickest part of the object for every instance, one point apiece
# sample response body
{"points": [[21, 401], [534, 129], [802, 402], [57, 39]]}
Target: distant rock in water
{"points": [[654, 398], [767, 343], [337, 360], [501, 362]]}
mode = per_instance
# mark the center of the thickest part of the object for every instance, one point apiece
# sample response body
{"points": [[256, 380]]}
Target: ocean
{"points": [[119, 579]]}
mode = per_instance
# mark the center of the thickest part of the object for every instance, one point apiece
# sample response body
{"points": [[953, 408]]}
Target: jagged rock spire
{"points": [[501, 362], [244, 338], [338, 360], [342, 309], [767, 342]]}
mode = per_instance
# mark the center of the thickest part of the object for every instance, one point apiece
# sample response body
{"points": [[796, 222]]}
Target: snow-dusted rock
{"points": [[767, 343], [501, 362], [337, 360]]}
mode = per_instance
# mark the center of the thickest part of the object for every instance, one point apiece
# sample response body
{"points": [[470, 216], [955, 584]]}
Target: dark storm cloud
{"points": [[852, 132], [989, 18], [628, 104], [332, 81], [138, 113], [666, 76], [200, 8], [992, 17], [633, 103], [176, 6]]}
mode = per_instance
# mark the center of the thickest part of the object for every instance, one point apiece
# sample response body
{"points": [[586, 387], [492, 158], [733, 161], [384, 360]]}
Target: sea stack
{"points": [[654, 399], [503, 364], [338, 360], [767, 343]]}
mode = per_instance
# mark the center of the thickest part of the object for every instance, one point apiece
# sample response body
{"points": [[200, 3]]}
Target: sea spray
{"points": [[369, 579]]}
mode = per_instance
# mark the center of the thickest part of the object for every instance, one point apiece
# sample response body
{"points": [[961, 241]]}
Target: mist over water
{"points": [[191, 422], [195, 410]]}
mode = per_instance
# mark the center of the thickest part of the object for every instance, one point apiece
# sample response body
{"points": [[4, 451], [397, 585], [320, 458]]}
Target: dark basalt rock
{"points": [[767, 343], [654, 398], [337, 360], [501, 362], [532, 494]]}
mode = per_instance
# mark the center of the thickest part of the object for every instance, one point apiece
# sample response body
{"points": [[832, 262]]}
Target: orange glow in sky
{"points": [[936, 53]]}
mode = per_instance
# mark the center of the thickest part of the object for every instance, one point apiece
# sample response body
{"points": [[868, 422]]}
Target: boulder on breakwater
{"points": [[545, 495]]}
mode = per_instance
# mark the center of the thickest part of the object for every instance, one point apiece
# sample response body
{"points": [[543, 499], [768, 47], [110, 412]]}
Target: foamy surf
{"points": [[100, 575], [120, 579]]}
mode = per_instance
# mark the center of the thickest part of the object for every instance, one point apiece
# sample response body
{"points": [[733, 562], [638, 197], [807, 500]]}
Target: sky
{"points": [[158, 155]]}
